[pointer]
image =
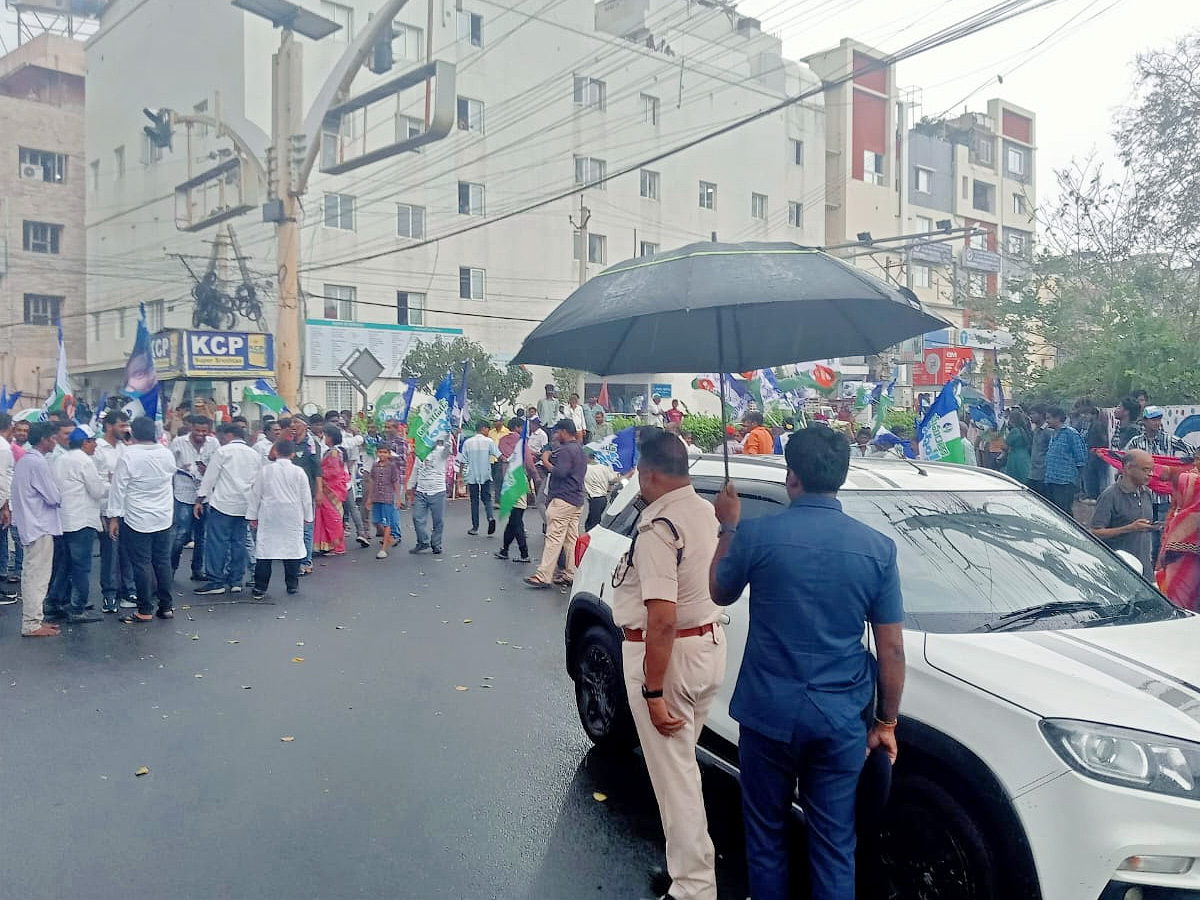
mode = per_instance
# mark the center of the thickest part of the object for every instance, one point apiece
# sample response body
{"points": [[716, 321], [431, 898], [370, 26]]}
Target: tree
{"points": [[1114, 299], [568, 381], [487, 383]]}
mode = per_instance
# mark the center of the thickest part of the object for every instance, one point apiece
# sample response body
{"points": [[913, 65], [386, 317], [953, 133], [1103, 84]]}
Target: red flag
{"points": [[602, 397]]}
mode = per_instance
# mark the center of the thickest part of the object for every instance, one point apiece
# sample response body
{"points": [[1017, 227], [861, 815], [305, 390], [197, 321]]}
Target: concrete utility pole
{"points": [[581, 228], [287, 121]]}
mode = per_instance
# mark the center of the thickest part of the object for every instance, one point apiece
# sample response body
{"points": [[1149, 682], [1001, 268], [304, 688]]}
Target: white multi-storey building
{"points": [[549, 96]]}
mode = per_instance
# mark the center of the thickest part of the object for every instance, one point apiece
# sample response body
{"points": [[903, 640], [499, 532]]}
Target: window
{"points": [[339, 211], [795, 213], [42, 237], [94, 171], [966, 187], [589, 170], [649, 185], [470, 114], [410, 220], [408, 42], [96, 327], [647, 248], [795, 152], [342, 15], [410, 308], [119, 162], [150, 152], [708, 195], [339, 302], [923, 184], [470, 283], [470, 198], [156, 314], [1016, 243], [470, 27], [408, 127], [1020, 206], [649, 109], [976, 284], [339, 394], [758, 206], [1014, 161], [590, 93], [53, 165], [597, 248], [200, 109], [985, 152], [979, 240], [120, 323], [984, 197], [42, 310], [872, 167], [925, 224], [921, 276]]}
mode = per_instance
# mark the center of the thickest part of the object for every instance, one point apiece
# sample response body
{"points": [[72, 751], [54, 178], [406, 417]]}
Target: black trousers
{"points": [[596, 507], [150, 557], [515, 530], [262, 574]]}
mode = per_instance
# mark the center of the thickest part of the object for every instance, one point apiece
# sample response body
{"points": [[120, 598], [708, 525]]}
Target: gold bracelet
{"points": [[886, 723]]}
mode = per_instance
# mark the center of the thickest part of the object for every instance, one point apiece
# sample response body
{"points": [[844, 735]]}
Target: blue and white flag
{"points": [[938, 432], [141, 378], [625, 441]]}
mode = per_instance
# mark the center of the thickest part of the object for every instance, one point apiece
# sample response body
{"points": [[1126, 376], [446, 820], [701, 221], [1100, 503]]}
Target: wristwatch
{"points": [[727, 528], [651, 695]]}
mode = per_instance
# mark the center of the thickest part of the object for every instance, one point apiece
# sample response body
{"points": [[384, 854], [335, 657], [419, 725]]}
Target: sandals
{"points": [[136, 619], [535, 582], [44, 631]]}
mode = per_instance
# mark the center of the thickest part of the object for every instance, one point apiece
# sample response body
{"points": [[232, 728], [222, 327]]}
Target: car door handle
{"points": [[725, 618]]}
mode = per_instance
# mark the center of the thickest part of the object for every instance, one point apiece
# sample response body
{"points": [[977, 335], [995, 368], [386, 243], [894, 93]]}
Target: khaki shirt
{"points": [[655, 574]]}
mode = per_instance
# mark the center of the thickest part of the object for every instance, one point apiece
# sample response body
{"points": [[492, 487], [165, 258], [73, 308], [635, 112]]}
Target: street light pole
{"points": [[287, 122]]}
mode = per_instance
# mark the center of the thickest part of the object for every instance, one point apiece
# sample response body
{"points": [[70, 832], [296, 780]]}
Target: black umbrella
{"points": [[737, 307]]}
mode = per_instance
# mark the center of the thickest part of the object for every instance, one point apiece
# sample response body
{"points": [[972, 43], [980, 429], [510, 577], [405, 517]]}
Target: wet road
{"points": [[397, 784]]}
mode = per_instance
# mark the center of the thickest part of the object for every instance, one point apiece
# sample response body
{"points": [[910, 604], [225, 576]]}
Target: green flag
{"points": [[516, 479]]}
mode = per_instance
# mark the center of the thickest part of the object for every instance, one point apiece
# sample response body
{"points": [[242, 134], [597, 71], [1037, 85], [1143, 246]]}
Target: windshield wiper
{"points": [[1020, 617]]}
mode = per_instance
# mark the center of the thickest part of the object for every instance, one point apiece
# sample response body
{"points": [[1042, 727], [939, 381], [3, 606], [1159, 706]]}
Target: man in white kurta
{"points": [[280, 505]]}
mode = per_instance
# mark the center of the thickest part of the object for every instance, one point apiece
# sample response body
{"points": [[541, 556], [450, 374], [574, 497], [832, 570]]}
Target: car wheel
{"points": [[600, 692], [931, 847]]}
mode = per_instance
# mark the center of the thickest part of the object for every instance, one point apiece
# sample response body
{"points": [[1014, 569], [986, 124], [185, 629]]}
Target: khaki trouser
{"points": [[694, 676], [35, 581], [562, 530]]}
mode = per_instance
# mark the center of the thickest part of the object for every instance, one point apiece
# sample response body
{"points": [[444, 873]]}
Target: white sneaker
{"points": [[127, 604], [236, 589], [382, 554]]}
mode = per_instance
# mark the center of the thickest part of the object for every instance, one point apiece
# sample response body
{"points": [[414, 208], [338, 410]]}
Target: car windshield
{"points": [[969, 560]]}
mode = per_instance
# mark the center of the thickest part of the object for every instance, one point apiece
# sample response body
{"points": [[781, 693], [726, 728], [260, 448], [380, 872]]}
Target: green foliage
{"points": [[620, 423], [568, 382], [706, 430], [896, 417], [487, 384]]}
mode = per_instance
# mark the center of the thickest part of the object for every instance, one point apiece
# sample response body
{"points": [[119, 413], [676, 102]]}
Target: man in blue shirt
{"points": [[807, 682], [1065, 456]]}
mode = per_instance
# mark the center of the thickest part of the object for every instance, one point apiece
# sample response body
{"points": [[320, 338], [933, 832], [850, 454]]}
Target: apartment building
{"points": [[42, 243], [546, 102]]}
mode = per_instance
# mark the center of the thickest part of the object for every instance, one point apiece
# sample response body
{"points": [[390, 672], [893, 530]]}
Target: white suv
{"points": [[1050, 728]]}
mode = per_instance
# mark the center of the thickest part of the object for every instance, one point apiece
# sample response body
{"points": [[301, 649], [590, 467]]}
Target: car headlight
{"points": [[1123, 756]]}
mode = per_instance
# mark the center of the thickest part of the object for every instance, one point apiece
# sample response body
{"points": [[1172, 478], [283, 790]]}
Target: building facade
{"points": [[42, 241], [544, 104]]}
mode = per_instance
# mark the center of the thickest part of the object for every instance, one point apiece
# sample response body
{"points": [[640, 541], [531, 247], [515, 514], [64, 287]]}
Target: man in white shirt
{"points": [[353, 442], [116, 573], [654, 411], [141, 511], [226, 490], [266, 440], [578, 415], [476, 456], [193, 452], [428, 482], [7, 595], [280, 504], [83, 492]]}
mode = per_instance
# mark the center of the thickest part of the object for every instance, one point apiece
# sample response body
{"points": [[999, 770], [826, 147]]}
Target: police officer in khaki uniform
{"points": [[674, 652]]}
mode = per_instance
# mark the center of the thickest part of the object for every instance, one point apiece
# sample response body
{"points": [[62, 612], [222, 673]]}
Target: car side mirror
{"points": [[1130, 560]]}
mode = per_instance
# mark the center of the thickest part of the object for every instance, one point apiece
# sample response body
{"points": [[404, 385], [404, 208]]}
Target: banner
{"points": [[938, 433], [432, 423], [141, 378], [396, 406]]}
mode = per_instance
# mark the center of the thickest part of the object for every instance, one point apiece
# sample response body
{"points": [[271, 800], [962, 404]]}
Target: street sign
{"points": [[985, 339], [180, 353], [934, 254], [980, 260]]}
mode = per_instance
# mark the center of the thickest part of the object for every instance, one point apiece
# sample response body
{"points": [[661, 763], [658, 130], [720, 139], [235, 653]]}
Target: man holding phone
{"points": [[1124, 513]]}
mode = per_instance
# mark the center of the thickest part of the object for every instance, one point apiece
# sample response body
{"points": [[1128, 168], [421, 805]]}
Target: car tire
{"points": [[600, 692], [932, 849]]}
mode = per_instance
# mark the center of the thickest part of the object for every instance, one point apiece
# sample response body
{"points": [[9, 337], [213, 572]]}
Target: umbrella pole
{"points": [[721, 376]]}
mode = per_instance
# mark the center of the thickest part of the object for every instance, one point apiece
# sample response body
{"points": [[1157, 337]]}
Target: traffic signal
{"points": [[160, 132], [381, 58]]}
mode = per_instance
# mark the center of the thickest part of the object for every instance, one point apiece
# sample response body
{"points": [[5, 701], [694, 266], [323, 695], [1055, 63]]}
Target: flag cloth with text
{"points": [[516, 479], [938, 432], [432, 422], [141, 378]]}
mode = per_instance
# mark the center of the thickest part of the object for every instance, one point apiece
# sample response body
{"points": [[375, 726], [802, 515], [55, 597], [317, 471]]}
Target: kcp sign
{"points": [[213, 354]]}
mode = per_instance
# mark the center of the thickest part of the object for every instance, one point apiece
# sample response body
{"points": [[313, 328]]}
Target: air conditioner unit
{"points": [[30, 171]]}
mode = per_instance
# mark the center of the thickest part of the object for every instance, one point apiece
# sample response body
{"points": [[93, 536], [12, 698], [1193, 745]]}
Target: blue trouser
{"points": [[4, 551], [827, 761], [71, 579], [308, 544], [116, 572], [224, 549], [18, 552], [478, 492], [188, 528], [426, 506]]}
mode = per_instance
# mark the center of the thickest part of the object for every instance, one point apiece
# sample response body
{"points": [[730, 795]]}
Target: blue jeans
{"points": [[426, 506], [71, 580], [4, 552], [827, 761], [188, 528], [308, 543], [150, 556], [116, 572], [224, 549], [19, 552], [478, 492]]}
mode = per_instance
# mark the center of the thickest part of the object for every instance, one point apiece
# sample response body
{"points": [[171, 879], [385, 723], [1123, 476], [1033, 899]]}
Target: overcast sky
{"points": [[1069, 62], [1076, 78]]}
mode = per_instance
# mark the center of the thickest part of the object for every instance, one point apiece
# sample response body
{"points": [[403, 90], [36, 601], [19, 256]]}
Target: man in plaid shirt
{"points": [[1065, 456]]}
